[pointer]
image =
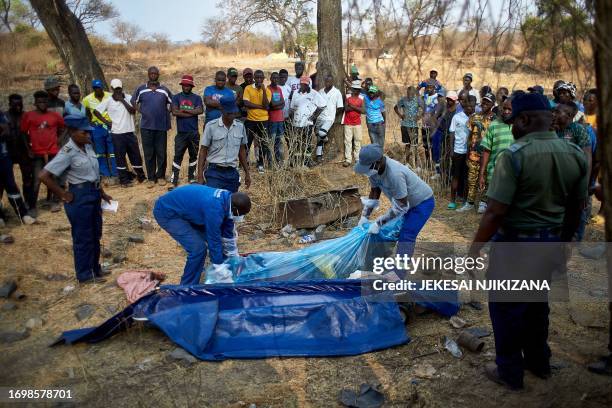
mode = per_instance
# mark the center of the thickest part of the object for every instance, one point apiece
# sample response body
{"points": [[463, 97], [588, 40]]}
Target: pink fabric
{"points": [[136, 284]]}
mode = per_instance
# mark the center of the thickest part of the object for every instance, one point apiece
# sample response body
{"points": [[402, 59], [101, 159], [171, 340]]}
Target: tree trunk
{"points": [[70, 39], [329, 39], [602, 45]]}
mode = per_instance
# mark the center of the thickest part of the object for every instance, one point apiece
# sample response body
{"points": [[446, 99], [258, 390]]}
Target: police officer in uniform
{"points": [[536, 196], [77, 162]]}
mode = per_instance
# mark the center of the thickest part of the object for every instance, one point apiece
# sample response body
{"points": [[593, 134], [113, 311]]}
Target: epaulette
{"points": [[66, 149], [516, 164]]}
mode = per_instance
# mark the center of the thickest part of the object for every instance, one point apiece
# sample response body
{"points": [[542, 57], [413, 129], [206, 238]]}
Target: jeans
{"points": [[225, 178], [103, 146], [376, 131], [154, 146], [277, 131], [191, 237], [85, 216]]}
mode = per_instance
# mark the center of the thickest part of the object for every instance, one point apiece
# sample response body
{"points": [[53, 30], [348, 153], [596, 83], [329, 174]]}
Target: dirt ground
{"points": [[132, 369]]}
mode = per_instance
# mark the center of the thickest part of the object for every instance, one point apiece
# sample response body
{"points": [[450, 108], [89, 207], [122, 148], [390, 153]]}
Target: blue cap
{"points": [[536, 88], [367, 156], [96, 83], [228, 105], [528, 102], [77, 122]]}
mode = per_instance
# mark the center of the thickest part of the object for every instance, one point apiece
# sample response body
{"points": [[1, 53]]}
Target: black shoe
{"points": [[493, 374], [540, 373], [127, 185], [103, 272], [92, 280]]}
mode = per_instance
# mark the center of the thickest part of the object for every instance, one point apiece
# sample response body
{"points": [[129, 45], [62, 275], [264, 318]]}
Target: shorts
{"points": [[459, 165], [410, 135]]}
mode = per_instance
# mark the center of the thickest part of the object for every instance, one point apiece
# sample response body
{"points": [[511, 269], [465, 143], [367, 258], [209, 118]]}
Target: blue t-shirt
{"points": [[154, 113], [185, 101], [72, 109], [374, 109], [216, 94]]}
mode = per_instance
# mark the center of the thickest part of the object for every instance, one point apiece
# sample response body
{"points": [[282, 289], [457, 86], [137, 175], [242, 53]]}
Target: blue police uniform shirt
{"points": [[184, 101], [76, 165], [202, 206], [216, 94], [153, 107]]}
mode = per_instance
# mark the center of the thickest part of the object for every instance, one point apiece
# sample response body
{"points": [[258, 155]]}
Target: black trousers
{"points": [[126, 143], [154, 146], [7, 182], [186, 141], [258, 131]]}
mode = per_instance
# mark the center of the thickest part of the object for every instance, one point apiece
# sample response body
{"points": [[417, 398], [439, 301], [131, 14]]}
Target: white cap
{"points": [[116, 83], [356, 84]]}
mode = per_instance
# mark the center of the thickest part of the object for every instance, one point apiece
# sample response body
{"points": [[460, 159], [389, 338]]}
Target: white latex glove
{"points": [[230, 247], [374, 228], [362, 220], [221, 274]]}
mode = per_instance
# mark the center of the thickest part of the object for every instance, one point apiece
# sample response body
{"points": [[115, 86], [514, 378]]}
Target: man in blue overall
{"points": [[200, 217], [538, 190]]}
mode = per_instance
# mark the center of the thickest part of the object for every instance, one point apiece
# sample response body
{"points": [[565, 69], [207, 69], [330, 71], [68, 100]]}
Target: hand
{"points": [[481, 183], [106, 197], [67, 197], [247, 180], [403, 117], [201, 179], [117, 97], [374, 228], [362, 220]]}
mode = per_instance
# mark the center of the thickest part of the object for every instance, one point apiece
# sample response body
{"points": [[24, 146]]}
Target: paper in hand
{"points": [[112, 206]]}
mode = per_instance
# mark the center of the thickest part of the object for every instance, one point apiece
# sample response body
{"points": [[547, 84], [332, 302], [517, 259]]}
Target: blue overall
{"points": [[414, 221], [226, 178], [103, 145], [521, 328], [197, 217], [85, 216]]}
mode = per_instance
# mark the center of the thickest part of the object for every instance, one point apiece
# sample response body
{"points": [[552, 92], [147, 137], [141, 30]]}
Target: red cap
{"points": [[305, 80], [187, 80], [247, 71]]}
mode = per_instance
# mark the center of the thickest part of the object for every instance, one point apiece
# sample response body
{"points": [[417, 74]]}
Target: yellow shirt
{"points": [[255, 96], [91, 102], [591, 120]]}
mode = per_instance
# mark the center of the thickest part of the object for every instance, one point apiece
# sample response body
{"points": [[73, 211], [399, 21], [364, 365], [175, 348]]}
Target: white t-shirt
{"points": [[123, 121], [334, 101], [304, 105], [459, 126], [286, 93]]}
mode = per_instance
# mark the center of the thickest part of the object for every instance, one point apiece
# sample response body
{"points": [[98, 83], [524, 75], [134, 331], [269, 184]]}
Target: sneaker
{"points": [[27, 220], [192, 181], [451, 206], [150, 184], [346, 164], [466, 207], [435, 176], [162, 182], [482, 207], [260, 169], [92, 280]]}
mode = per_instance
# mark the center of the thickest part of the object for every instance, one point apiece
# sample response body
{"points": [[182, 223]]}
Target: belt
{"points": [[219, 167], [550, 232], [86, 184]]}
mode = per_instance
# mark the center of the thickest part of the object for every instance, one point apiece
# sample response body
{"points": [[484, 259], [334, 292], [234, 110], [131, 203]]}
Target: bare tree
{"points": [[90, 12], [289, 16], [5, 9], [215, 31], [126, 32], [70, 40], [162, 41]]}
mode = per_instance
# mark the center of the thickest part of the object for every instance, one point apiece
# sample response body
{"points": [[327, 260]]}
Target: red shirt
{"points": [[42, 130], [353, 118], [277, 96]]}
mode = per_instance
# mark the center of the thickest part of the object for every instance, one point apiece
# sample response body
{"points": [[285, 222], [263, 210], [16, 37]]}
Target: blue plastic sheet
{"points": [[216, 322]]}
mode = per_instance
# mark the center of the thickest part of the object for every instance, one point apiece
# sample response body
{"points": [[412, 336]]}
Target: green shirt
{"points": [[577, 134], [498, 137], [536, 176]]}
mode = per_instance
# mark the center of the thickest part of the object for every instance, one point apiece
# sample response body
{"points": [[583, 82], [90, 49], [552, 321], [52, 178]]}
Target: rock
{"points": [[70, 372], [425, 370], [368, 397], [457, 322], [594, 251], [19, 295], [287, 230], [479, 332], [67, 289], [257, 235], [13, 336], [56, 277], [34, 323], [136, 238], [319, 232], [180, 354], [6, 239], [112, 309], [119, 258], [598, 293], [7, 288], [106, 253], [84, 312], [452, 346], [146, 223], [8, 306], [586, 318], [264, 226], [350, 222]]}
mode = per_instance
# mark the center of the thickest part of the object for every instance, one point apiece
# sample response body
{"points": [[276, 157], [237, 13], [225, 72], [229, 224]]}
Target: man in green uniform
{"points": [[536, 195]]}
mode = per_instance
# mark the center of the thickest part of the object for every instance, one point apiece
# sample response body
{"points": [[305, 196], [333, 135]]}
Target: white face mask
{"points": [[238, 218], [371, 172]]}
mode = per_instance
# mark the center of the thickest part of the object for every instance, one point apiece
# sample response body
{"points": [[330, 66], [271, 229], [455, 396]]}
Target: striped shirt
{"points": [[497, 138], [154, 107]]}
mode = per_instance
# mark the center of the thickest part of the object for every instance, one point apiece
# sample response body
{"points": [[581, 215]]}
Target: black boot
{"points": [[174, 178], [192, 169]]}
